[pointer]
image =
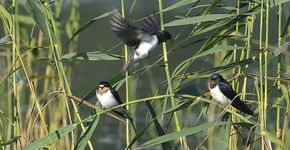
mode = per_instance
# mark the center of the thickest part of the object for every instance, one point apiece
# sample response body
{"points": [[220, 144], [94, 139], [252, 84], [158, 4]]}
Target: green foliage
{"points": [[184, 132], [246, 41], [54, 136], [92, 56], [198, 19], [85, 137]]}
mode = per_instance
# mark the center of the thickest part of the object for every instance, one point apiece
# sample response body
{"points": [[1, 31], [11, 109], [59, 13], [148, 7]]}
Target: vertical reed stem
{"points": [[56, 48], [127, 83], [34, 97], [279, 74], [233, 138], [14, 97], [266, 64], [261, 101], [166, 67]]}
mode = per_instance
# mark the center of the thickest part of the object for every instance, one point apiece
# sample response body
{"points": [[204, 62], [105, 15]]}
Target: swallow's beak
{"points": [[211, 81]]}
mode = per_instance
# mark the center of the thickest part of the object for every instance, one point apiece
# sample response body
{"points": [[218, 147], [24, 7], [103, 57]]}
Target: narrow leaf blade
{"points": [[184, 132], [87, 24], [54, 136], [198, 19], [92, 56], [83, 141]]}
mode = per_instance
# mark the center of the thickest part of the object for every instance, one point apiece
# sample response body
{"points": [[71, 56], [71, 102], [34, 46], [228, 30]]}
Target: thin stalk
{"points": [[10, 30], [233, 138], [56, 48], [285, 126], [127, 82], [34, 97], [250, 24], [9, 98], [14, 97], [261, 100], [166, 67], [74, 23], [266, 63], [279, 74], [249, 32]]}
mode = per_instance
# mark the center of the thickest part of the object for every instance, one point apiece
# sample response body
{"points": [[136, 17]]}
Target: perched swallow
{"points": [[109, 97], [223, 93], [143, 40]]}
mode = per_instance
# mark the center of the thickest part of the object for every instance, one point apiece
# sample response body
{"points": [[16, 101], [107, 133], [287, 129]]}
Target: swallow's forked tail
{"points": [[129, 63], [124, 113]]}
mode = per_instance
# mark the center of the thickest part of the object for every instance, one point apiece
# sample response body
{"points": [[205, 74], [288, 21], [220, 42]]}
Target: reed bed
{"points": [[167, 95]]}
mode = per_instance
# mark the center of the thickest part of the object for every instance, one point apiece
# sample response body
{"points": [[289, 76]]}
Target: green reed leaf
{"points": [[158, 127], [37, 11], [54, 136], [273, 139], [85, 137], [179, 4], [142, 131], [206, 73], [92, 56], [88, 24], [4, 40], [285, 92], [7, 20], [198, 19], [184, 132], [213, 50]]}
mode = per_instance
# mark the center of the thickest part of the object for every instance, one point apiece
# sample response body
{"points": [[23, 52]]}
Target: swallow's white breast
{"points": [[107, 100], [219, 96], [144, 48]]}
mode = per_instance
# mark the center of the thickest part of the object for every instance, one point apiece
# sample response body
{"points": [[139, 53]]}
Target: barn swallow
{"points": [[143, 39], [224, 94], [109, 98]]}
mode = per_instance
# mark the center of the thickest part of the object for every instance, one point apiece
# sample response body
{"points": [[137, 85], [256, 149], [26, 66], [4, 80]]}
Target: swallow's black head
{"points": [[104, 84], [214, 79], [164, 36], [216, 76]]}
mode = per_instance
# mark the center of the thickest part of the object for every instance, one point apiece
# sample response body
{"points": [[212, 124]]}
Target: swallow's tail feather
{"points": [[124, 113], [131, 120], [121, 114], [241, 106], [129, 63]]}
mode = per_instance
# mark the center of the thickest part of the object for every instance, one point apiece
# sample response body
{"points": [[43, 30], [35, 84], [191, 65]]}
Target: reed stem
{"points": [[278, 135], [127, 82], [14, 97], [56, 48], [266, 65], [233, 138], [166, 67], [261, 100]]}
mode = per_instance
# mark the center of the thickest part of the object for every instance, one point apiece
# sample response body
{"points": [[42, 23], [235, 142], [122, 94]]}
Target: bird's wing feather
{"points": [[151, 24], [116, 95], [228, 91], [130, 34]]}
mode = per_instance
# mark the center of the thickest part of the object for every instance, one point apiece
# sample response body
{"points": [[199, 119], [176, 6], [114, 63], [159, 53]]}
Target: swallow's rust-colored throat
{"points": [[102, 90]]}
